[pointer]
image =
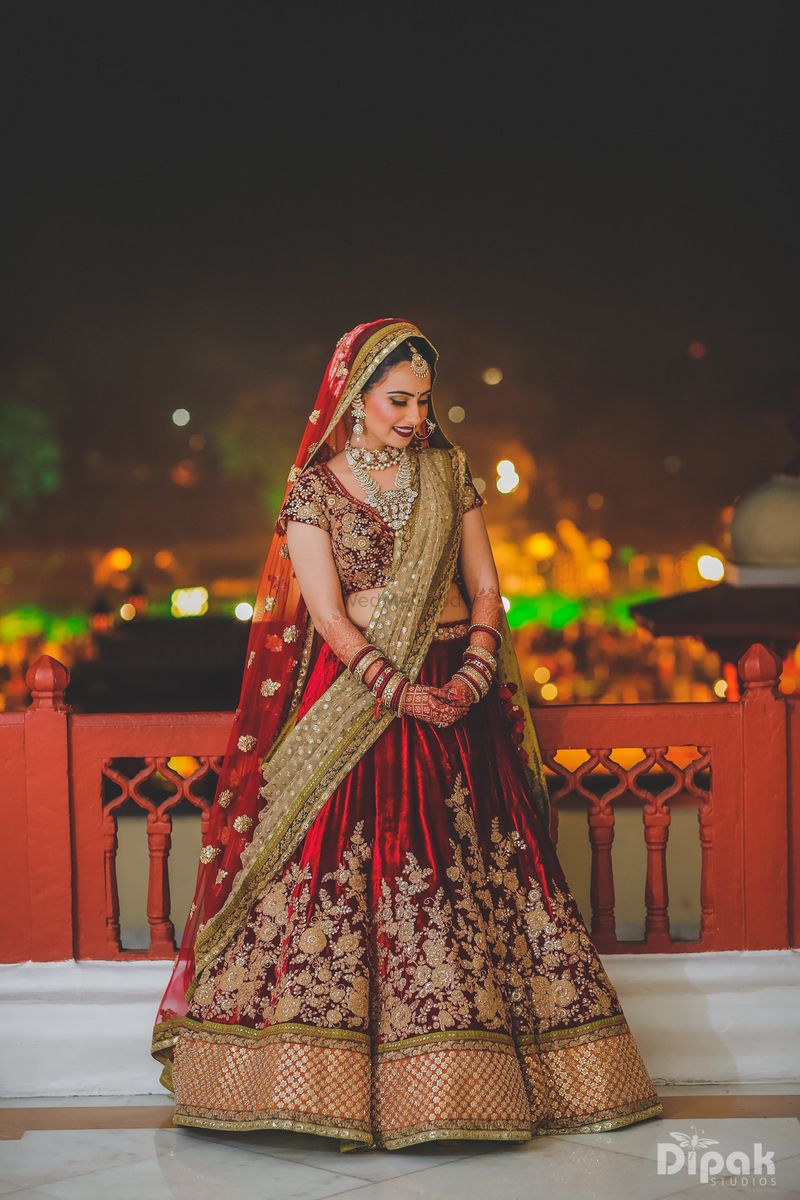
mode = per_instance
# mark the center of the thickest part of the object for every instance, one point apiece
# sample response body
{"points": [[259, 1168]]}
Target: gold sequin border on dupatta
{"points": [[508, 671], [315, 755], [367, 360], [335, 1082]]}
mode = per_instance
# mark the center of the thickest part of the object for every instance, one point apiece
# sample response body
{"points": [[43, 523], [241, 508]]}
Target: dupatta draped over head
{"points": [[277, 774]]}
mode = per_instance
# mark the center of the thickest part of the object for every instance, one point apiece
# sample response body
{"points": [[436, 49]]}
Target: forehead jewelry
{"points": [[418, 364]]}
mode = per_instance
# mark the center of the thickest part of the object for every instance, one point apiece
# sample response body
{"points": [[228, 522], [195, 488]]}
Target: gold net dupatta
{"points": [[508, 671], [309, 761]]}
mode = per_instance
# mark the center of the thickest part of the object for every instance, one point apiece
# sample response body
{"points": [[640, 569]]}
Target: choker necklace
{"points": [[375, 459], [393, 504]]}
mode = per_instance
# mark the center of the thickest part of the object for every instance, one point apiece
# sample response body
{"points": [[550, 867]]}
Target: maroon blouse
{"points": [[362, 542]]}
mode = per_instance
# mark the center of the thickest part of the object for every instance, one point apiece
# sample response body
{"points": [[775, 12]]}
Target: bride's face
{"points": [[394, 407]]}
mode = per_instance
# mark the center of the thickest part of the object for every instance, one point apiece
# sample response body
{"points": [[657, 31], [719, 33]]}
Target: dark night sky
{"points": [[198, 206]]}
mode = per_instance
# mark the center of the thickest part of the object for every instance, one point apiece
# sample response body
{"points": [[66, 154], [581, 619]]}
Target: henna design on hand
{"points": [[433, 704]]}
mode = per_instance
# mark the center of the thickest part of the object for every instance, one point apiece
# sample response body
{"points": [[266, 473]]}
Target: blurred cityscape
{"points": [[162, 629]]}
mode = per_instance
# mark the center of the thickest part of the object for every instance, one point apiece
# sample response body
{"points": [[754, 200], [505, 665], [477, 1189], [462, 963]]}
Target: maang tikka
{"points": [[418, 364]]}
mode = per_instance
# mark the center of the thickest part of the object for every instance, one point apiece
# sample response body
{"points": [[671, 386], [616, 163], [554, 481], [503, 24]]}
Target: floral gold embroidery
{"points": [[224, 798], [290, 633], [242, 823], [209, 853], [315, 415], [220, 876], [269, 687], [247, 742]]}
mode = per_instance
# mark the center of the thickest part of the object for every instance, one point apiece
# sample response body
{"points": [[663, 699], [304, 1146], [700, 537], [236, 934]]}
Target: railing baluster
{"points": [[159, 841]]}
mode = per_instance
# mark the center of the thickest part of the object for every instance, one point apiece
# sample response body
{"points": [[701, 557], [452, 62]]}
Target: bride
{"points": [[382, 946]]}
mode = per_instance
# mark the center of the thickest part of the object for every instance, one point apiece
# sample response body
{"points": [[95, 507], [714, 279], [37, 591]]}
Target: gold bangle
{"points": [[367, 661], [471, 684], [477, 678], [482, 652]]}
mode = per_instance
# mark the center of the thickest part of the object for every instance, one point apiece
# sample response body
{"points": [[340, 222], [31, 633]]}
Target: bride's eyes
{"points": [[427, 400]]}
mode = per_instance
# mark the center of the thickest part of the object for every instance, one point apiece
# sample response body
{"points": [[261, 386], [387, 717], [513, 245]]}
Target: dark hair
{"points": [[401, 354]]}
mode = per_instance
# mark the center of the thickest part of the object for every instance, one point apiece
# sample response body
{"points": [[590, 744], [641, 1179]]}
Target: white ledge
{"points": [[83, 1028]]}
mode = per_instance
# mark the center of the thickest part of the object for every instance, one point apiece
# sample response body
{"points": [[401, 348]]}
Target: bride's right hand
{"points": [[433, 704]]}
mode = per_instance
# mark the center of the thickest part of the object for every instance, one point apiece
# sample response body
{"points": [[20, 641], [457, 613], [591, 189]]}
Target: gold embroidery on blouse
{"points": [[362, 545]]}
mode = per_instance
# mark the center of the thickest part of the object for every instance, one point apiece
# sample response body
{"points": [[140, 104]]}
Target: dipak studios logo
{"points": [[740, 1168]]}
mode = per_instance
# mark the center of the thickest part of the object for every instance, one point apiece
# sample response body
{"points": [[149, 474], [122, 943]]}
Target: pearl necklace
{"points": [[393, 504]]}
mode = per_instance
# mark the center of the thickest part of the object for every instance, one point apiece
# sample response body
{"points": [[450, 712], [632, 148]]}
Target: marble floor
{"points": [[126, 1148]]}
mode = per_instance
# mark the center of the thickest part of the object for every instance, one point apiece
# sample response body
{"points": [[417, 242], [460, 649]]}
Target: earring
{"points": [[358, 414]]}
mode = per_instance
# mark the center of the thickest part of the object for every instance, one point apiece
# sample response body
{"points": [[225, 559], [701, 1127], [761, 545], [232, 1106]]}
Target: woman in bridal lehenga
{"points": [[382, 946]]}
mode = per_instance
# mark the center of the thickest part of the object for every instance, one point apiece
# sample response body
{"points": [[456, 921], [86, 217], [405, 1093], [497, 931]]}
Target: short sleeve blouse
{"points": [[362, 543]]}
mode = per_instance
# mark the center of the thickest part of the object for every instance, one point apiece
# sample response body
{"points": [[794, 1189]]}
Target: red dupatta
{"points": [[277, 661]]}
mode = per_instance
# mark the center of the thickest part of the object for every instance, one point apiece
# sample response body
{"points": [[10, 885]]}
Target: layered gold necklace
{"points": [[393, 504]]}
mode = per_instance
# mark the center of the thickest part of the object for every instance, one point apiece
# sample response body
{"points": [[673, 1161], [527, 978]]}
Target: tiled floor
{"points": [[126, 1148]]}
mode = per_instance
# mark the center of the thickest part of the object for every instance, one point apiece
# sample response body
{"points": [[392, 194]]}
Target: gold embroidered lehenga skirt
{"points": [[419, 969]]}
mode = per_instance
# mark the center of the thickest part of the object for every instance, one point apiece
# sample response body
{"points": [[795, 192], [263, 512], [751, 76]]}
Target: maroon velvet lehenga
{"points": [[415, 966], [420, 968]]}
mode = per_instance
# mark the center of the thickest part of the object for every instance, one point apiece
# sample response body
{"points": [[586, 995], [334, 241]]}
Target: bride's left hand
{"points": [[457, 686]]}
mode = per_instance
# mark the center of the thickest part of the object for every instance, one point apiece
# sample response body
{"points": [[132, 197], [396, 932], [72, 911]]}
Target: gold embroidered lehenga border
{"points": [[460, 1084]]}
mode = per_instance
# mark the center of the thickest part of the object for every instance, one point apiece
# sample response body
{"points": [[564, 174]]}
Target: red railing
{"points": [[737, 763]]}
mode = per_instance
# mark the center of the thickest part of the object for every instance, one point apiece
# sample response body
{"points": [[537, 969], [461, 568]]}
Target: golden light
{"points": [[189, 602], [243, 610], [600, 547], [492, 376], [540, 545], [127, 612], [119, 559], [595, 500], [181, 417], [183, 765], [456, 414], [541, 674], [505, 466], [720, 688], [506, 602], [549, 691], [710, 567], [164, 560]]}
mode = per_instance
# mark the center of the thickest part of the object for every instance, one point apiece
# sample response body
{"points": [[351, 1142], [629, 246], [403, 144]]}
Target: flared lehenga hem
{"points": [[459, 1085], [418, 971]]}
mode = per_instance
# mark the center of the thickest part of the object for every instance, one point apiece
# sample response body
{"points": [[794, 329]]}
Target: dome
{"points": [[765, 527]]}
